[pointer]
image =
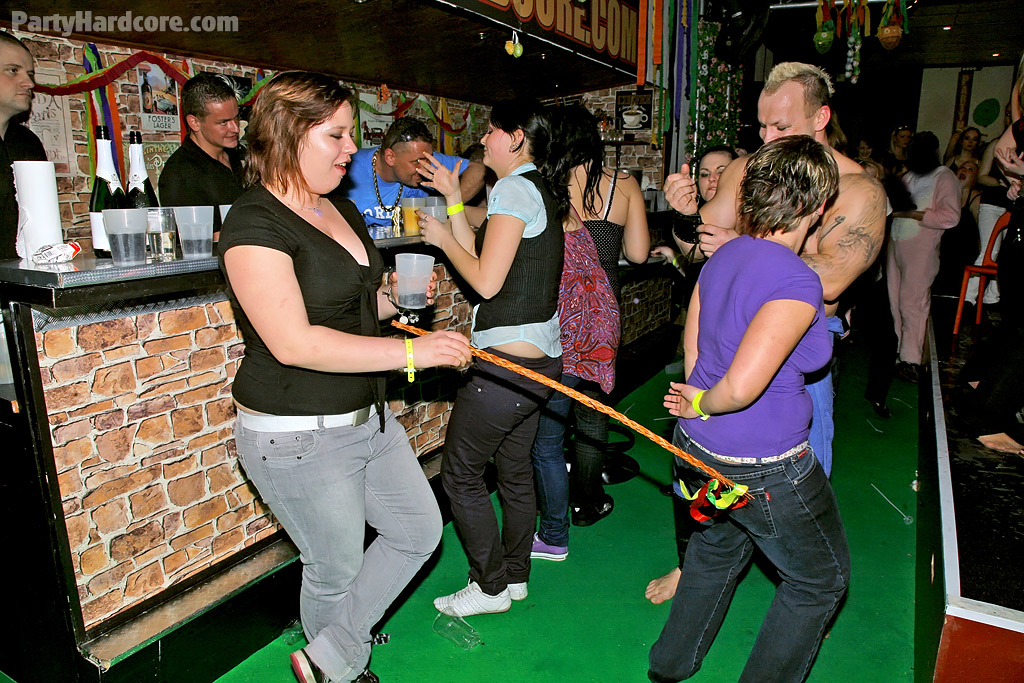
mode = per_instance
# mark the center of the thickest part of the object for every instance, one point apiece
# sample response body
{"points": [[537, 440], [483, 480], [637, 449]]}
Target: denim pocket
{"points": [[283, 449], [762, 501]]}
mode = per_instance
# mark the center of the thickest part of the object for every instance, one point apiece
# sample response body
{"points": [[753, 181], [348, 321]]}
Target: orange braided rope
{"points": [[589, 402]]}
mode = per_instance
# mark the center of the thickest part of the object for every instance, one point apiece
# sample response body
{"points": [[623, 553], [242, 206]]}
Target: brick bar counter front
{"points": [[138, 543]]}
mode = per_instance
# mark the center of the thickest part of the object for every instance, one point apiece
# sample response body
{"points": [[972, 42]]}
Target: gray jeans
{"points": [[322, 485]]}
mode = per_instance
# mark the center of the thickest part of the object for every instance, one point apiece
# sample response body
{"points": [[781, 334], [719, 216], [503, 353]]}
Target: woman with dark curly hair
{"points": [[514, 264]]}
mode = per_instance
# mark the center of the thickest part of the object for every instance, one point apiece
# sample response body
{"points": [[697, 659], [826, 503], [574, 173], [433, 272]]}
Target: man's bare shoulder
{"points": [[860, 195], [847, 166], [853, 226]]}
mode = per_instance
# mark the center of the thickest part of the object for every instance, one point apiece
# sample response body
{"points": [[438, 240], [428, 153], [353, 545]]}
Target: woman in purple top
{"points": [[755, 325]]}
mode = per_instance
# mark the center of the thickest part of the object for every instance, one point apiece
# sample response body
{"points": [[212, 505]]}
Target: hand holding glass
{"points": [[414, 271], [410, 221]]}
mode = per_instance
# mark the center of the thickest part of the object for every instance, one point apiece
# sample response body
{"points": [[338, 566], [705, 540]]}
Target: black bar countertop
{"points": [[87, 279]]}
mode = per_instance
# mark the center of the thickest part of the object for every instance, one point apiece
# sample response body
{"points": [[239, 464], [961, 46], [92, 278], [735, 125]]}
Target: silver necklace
{"points": [[315, 209]]}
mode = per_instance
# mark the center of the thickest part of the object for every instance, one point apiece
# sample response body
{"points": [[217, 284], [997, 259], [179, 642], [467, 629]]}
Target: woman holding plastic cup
{"points": [[514, 263], [314, 432]]}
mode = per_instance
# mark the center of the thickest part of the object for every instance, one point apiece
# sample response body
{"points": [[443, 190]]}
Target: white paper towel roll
{"points": [[35, 185]]}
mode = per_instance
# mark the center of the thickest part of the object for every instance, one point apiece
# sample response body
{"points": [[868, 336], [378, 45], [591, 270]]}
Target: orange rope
{"points": [[589, 402]]}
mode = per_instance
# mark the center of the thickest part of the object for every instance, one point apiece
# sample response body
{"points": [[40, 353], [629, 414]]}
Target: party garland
{"points": [[97, 83], [714, 104], [405, 105]]}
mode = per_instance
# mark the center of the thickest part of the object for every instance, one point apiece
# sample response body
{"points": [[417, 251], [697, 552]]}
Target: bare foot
{"points": [[997, 442], [663, 588]]}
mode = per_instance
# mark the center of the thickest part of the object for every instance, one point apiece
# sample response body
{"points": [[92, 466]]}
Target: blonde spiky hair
{"points": [[817, 85]]}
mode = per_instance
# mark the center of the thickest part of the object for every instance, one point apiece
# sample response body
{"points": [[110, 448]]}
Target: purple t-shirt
{"points": [[742, 276]]}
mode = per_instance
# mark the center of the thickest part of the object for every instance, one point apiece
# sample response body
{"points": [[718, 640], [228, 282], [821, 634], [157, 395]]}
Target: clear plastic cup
{"points": [[162, 234], [195, 230], [456, 630], [410, 221], [413, 277], [126, 232]]}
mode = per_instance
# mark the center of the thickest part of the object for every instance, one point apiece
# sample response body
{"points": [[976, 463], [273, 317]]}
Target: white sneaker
{"points": [[472, 600], [518, 591]]}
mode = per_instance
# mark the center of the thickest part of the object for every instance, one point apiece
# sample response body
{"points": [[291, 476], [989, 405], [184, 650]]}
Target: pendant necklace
{"points": [[315, 209], [396, 215]]}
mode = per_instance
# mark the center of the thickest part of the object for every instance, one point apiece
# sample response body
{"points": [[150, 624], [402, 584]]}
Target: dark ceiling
{"points": [[437, 48], [982, 33], [425, 46]]}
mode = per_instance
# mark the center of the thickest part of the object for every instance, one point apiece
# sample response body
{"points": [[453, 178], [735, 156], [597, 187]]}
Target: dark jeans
{"points": [[794, 521], [589, 445], [495, 415]]}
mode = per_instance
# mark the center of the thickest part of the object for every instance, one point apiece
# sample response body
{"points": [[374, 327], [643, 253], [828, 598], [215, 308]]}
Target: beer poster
{"points": [[159, 95]]}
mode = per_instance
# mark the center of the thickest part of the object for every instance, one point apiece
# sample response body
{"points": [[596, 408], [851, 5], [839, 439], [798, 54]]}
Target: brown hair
{"points": [[785, 180], [285, 110]]}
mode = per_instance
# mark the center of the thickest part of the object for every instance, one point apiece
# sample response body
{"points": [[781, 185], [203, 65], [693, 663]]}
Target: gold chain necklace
{"points": [[396, 215]]}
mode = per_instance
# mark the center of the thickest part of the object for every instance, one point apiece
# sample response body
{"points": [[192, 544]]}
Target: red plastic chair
{"points": [[984, 271]]}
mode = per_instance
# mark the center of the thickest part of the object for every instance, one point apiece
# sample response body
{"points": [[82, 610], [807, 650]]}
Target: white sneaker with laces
{"points": [[518, 591], [472, 600]]}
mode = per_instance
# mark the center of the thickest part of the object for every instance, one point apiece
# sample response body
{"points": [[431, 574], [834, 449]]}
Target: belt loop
{"points": [[320, 421]]}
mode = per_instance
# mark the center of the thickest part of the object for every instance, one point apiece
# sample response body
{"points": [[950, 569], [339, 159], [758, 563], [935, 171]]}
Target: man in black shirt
{"points": [[207, 169], [17, 143]]}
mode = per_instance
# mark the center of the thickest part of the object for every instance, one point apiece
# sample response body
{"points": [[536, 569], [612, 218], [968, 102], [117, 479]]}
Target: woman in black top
{"points": [[313, 432]]}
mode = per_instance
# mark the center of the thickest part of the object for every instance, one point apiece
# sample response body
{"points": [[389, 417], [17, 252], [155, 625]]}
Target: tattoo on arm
{"points": [[837, 221]]}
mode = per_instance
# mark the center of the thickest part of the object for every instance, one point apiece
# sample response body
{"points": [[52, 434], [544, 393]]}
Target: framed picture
{"points": [[372, 126], [50, 120], [634, 109], [158, 93]]}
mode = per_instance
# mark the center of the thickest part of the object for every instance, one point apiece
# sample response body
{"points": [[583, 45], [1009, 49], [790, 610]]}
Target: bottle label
{"points": [[99, 234], [135, 181]]}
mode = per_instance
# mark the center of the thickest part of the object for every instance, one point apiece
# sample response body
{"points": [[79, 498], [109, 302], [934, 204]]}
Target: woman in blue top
{"points": [[755, 326], [514, 263]]}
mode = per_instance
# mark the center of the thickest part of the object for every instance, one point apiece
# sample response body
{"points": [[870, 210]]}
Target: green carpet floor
{"points": [[586, 619]]}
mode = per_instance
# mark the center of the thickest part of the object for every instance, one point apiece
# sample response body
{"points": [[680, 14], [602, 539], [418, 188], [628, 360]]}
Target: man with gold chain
{"points": [[379, 178]]}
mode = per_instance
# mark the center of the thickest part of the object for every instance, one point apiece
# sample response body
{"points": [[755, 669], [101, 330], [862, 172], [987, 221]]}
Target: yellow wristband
{"points": [[696, 404], [455, 208], [410, 367]]}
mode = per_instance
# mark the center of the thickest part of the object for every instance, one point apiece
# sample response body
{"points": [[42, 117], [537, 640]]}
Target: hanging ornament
{"points": [[894, 23], [383, 93], [855, 15], [824, 35], [513, 47]]}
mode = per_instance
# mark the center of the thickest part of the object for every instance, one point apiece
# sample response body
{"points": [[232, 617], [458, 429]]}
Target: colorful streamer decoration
{"points": [[727, 497], [708, 501], [101, 101]]}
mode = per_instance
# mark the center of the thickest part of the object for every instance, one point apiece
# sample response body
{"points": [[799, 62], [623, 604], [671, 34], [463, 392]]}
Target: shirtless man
{"points": [[795, 101]]}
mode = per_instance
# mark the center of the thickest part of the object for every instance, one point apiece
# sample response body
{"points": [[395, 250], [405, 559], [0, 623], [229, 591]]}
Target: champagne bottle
{"points": [[106, 192], [140, 189]]}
